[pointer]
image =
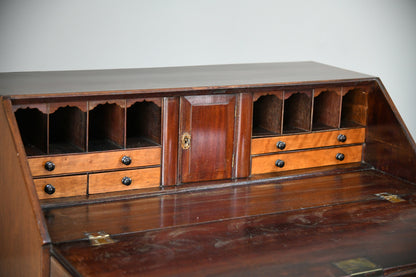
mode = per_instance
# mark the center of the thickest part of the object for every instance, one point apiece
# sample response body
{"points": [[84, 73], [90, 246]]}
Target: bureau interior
{"points": [[292, 128]]}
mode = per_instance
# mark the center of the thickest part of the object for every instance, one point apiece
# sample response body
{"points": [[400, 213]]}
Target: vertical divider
{"points": [[243, 135], [340, 106], [47, 129], [282, 114], [312, 110], [106, 131], [87, 128], [125, 125], [170, 141]]}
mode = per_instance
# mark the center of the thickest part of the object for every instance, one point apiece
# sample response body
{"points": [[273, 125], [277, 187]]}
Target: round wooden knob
{"points": [[49, 189], [281, 145], [126, 181], [126, 160], [340, 157], [49, 166], [342, 138], [280, 163]]}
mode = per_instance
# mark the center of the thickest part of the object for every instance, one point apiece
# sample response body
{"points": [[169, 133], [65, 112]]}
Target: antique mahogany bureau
{"points": [[292, 169]]}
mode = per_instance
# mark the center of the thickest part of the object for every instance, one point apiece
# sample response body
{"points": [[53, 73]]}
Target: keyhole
{"points": [[186, 141]]}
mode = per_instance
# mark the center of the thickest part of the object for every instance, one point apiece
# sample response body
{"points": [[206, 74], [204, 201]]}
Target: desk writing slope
{"points": [[291, 169]]}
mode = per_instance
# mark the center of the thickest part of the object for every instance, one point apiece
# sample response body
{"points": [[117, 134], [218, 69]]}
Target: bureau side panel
{"points": [[389, 145], [21, 252]]}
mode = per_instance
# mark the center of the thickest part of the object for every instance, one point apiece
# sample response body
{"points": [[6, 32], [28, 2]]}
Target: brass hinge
{"points": [[99, 238], [359, 267], [393, 198]]}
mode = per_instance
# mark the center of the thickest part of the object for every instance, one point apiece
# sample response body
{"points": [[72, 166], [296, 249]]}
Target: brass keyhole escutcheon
{"points": [[186, 141]]}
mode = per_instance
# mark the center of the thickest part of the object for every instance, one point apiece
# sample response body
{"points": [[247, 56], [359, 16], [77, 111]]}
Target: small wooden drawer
{"points": [[91, 162], [61, 186], [306, 159], [124, 180], [305, 141]]}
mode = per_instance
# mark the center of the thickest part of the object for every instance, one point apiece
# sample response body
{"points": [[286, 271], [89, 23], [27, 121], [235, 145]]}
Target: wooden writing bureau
{"points": [[278, 169]]}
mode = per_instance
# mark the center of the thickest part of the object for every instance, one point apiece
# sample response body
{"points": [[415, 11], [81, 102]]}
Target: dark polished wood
{"points": [[296, 228], [243, 136], [324, 117], [189, 78], [106, 125], [67, 224], [249, 170], [170, 141]]}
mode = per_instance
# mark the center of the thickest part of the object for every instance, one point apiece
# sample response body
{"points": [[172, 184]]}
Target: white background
{"points": [[377, 37]]}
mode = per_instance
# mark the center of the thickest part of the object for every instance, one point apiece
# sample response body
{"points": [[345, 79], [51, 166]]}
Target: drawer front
{"points": [[305, 159], [113, 181], [95, 161], [63, 186], [305, 141]]}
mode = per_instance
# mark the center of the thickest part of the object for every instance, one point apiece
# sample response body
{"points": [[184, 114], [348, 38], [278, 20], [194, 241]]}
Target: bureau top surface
{"points": [[19, 84]]}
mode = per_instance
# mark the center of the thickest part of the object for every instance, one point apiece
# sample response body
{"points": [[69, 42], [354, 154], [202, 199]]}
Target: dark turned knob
{"points": [[342, 138], [340, 157], [126, 181], [126, 160], [280, 163], [281, 145], [49, 189], [49, 166]]}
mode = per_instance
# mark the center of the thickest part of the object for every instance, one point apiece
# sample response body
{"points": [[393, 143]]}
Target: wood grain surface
{"points": [[23, 229], [64, 186], [210, 121], [305, 141], [111, 181], [90, 162], [305, 159], [170, 141], [125, 81], [296, 228]]}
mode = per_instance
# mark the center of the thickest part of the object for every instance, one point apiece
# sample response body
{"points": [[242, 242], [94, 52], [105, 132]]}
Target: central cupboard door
{"points": [[206, 137]]}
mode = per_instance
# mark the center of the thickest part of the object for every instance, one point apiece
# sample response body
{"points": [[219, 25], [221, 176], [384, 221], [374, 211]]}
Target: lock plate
{"points": [[186, 141]]}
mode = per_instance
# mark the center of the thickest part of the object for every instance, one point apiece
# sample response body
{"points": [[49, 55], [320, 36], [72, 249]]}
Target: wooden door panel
{"points": [[210, 121]]}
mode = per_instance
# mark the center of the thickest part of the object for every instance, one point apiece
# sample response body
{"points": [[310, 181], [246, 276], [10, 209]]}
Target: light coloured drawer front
{"points": [[305, 159], [95, 161], [124, 180], [62, 186], [305, 141]]}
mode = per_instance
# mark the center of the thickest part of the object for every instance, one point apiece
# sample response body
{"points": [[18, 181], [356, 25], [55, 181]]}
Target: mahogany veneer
{"points": [[252, 169]]}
